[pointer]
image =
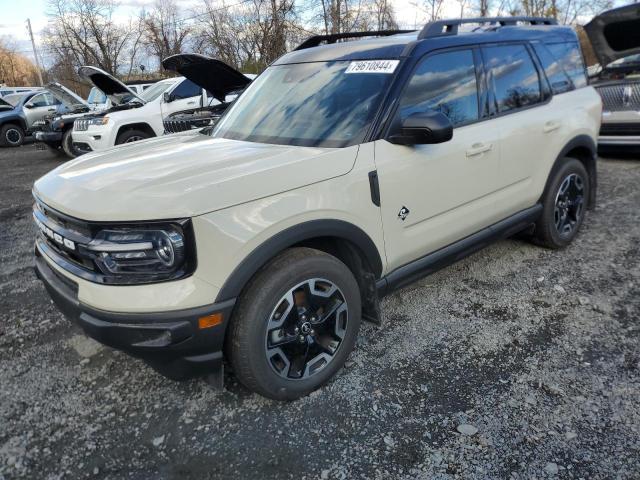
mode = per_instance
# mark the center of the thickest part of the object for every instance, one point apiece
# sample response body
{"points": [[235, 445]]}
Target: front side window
{"points": [[320, 104], [445, 82], [512, 77], [186, 89], [43, 100], [568, 54]]}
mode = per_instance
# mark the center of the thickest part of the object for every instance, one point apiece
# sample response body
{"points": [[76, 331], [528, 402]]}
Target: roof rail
{"points": [[333, 37], [439, 28]]}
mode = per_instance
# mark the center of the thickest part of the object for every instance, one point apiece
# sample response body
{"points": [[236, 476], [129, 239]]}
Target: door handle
{"points": [[479, 149], [191, 103], [551, 127], [51, 110]]}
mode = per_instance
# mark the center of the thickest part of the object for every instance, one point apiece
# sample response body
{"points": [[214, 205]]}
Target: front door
{"points": [[38, 107], [185, 96], [433, 195]]}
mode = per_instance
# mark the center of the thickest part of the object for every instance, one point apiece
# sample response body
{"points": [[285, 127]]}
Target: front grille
{"points": [[64, 235], [620, 129], [175, 125], [620, 97], [81, 125]]}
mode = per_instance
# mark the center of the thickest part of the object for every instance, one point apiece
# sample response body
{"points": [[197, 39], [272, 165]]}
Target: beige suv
{"points": [[342, 172]]}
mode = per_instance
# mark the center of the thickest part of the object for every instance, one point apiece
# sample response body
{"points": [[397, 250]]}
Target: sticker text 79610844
{"points": [[372, 66]]}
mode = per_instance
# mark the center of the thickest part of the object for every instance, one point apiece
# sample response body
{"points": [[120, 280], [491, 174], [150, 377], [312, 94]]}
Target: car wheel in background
{"points": [[11, 135], [67, 145], [295, 324], [131, 136]]}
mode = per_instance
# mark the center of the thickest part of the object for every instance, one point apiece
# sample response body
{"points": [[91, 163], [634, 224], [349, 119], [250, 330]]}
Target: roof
{"points": [[396, 46]]}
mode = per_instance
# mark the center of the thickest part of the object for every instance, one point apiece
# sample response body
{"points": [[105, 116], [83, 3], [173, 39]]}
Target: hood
{"points": [[614, 33], [213, 75], [68, 98], [183, 175], [113, 88]]}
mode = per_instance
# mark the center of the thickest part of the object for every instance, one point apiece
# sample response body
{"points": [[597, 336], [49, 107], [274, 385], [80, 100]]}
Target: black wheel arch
{"points": [[583, 149], [143, 127], [337, 236], [14, 120]]}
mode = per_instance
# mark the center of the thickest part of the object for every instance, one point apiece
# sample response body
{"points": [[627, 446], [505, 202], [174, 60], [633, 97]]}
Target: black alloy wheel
{"points": [[306, 328]]}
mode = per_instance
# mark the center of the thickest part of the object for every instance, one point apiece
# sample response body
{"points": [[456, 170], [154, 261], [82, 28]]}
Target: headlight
{"points": [[99, 120], [142, 254]]}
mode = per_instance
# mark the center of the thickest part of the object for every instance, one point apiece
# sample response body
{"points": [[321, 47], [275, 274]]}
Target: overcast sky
{"points": [[15, 13]]}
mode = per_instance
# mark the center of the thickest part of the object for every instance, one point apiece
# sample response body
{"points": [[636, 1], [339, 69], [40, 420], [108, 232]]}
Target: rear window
{"points": [[569, 56], [513, 77]]}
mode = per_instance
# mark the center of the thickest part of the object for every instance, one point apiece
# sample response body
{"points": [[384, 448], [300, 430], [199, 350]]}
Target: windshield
{"points": [[308, 104], [14, 99], [96, 97], [155, 91]]}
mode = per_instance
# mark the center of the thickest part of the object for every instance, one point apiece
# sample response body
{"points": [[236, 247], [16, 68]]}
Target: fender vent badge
{"points": [[403, 213]]}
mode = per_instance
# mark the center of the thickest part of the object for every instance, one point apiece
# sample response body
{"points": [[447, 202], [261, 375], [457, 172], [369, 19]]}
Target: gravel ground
{"points": [[516, 363]]}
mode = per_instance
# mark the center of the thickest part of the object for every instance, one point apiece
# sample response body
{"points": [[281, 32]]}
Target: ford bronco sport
{"points": [[342, 172]]}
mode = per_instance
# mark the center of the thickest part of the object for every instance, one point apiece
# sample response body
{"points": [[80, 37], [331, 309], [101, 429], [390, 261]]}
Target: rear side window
{"points": [[553, 69], [512, 77], [43, 100], [569, 56], [186, 89], [445, 82]]}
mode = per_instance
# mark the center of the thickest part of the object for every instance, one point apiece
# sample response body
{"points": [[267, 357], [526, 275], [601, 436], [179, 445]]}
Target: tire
{"points": [[308, 276], [564, 205], [67, 145], [129, 136], [11, 135]]}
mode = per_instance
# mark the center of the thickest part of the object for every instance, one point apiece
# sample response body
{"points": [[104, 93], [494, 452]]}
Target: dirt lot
{"points": [[536, 350]]}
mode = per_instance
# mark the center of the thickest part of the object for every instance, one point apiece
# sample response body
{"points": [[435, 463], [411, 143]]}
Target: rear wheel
{"points": [[295, 324], [564, 205], [11, 135], [131, 136]]}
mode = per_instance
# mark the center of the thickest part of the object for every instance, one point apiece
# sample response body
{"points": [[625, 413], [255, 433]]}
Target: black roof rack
{"points": [[439, 28], [333, 37]]}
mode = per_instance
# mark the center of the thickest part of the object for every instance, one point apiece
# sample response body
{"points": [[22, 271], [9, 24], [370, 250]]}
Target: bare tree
{"points": [[85, 31], [15, 69], [165, 33]]}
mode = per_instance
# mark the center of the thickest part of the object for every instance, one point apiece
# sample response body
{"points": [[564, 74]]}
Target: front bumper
{"points": [[91, 140], [170, 342], [49, 137]]}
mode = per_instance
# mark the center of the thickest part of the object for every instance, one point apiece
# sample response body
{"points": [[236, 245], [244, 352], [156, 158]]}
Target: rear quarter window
{"points": [[569, 56]]}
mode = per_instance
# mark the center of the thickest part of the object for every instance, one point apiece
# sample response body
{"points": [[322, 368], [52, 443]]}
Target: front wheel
{"points": [[67, 145], [11, 135], [295, 324], [564, 205], [131, 136]]}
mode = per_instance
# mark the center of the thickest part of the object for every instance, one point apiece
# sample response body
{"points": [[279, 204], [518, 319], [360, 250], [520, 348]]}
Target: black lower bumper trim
{"points": [[171, 342], [48, 137]]}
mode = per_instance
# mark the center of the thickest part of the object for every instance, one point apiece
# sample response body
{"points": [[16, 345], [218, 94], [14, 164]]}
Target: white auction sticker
{"points": [[372, 66]]}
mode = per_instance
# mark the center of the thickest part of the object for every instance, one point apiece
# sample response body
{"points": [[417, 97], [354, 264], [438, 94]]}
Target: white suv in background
{"points": [[134, 116]]}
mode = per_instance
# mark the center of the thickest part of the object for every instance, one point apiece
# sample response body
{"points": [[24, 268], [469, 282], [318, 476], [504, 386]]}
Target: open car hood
{"points": [[213, 75], [68, 98], [113, 88], [615, 33]]}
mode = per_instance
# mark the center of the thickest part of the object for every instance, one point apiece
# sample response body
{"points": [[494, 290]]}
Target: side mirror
{"points": [[423, 128], [29, 105], [167, 97]]}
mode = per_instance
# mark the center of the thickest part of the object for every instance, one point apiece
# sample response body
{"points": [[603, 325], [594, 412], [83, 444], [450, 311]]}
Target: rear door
{"points": [[529, 125], [433, 195]]}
